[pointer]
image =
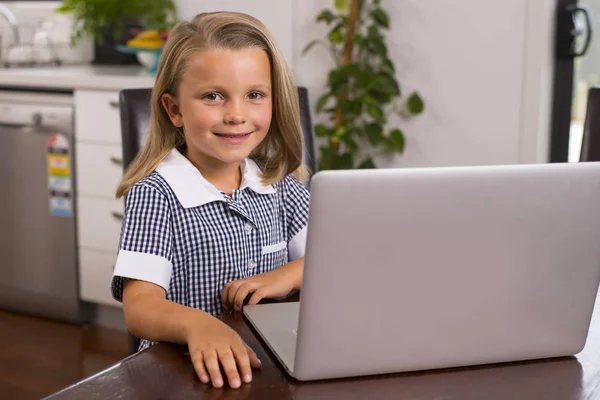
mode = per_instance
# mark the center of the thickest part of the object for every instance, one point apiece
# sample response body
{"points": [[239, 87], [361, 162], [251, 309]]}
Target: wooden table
{"points": [[164, 371]]}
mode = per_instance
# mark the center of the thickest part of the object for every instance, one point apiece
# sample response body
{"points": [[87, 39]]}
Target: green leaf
{"points": [[322, 102], [387, 83], [344, 161], [374, 111], [327, 16], [381, 97], [340, 131], [381, 17], [388, 66], [352, 107], [397, 139], [366, 99], [363, 79], [310, 45], [335, 36], [367, 164], [415, 104], [350, 143], [326, 157], [377, 46], [338, 80], [323, 131], [342, 5], [374, 133]]}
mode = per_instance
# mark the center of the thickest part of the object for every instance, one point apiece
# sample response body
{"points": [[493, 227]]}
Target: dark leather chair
{"points": [[134, 106], [590, 143]]}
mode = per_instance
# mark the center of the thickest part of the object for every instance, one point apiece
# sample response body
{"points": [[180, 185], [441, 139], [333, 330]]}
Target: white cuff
{"points": [[297, 245], [144, 267]]}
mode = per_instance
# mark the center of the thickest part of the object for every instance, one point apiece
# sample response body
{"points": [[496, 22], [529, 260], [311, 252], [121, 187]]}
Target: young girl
{"points": [[215, 211]]}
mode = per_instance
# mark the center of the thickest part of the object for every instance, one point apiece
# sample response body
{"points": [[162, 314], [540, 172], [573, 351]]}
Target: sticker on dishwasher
{"points": [[59, 175], [60, 205], [59, 183]]}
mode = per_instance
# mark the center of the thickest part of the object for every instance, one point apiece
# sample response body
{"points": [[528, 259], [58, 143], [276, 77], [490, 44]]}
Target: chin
{"points": [[233, 158]]}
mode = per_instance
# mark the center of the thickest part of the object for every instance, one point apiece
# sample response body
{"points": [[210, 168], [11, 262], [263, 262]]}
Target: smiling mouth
{"points": [[232, 135]]}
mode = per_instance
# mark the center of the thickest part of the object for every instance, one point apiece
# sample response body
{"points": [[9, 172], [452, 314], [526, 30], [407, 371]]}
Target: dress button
{"points": [[252, 264], [248, 228]]}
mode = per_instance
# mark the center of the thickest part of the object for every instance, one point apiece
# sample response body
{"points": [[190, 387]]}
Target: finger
{"points": [[241, 294], [198, 362], [211, 361], [257, 296], [254, 361], [229, 366], [232, 290], [243, 362], [225, 294], [228, 289]]}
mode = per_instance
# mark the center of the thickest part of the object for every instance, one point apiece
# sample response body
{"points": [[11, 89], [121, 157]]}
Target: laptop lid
{"points": [[412, 269]]}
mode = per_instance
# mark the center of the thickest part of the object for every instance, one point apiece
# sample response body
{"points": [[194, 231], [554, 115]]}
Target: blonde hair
{"points": [[280, 153]]}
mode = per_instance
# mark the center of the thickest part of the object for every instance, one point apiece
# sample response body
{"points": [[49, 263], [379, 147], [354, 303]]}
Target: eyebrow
{"points": [[219, 88]]}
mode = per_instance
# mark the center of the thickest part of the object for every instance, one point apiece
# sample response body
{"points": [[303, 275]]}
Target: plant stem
{"points": [[346, 60]]}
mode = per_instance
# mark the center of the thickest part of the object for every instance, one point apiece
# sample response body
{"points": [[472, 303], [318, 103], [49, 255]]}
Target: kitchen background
{"points": [[487, 84], [471, 69]]}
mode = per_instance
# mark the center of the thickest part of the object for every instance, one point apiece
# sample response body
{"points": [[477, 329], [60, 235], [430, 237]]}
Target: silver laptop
{"points": [[415, 269]]}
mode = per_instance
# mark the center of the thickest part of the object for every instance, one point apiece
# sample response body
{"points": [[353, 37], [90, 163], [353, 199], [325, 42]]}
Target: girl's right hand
{"points": [[214, 343]]}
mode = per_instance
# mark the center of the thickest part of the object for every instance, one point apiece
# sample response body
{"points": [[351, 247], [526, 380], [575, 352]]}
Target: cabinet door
{"points": [[95, 274], [97, 117], [99, 169], [99, 223]]}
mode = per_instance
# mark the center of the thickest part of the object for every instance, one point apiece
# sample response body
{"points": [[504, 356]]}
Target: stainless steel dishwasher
{"points": [[38, 261]]}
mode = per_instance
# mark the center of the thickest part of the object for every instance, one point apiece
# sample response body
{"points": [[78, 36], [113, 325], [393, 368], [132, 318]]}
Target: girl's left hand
{"points": [[273, 284]]}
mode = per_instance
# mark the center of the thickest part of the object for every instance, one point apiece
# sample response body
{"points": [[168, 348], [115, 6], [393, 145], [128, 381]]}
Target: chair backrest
{"points": [[590, 143], [135, 126]]}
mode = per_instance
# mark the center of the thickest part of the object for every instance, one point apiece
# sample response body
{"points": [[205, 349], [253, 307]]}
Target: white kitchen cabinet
{"points": [[99, 169], [98, 163], [97, 118], [99, 222], [95, 273]]}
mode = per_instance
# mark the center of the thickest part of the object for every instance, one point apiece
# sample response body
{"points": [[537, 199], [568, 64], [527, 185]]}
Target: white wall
{"points": [[484, 70], [275, 14]]}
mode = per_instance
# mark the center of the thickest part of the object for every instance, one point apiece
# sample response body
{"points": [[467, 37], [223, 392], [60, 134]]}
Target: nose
{"points": [[235, 113]]}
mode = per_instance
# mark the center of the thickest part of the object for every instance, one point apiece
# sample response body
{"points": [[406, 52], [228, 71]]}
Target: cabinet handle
{"points": [[117, 215], [116, 160], [114, 104]]}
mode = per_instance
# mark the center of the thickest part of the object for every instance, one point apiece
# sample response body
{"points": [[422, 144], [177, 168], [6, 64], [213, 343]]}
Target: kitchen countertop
{"points": [[73, 77]]}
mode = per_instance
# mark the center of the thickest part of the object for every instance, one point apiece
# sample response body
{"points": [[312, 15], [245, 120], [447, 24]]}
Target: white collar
{"points": [[193, 190]]}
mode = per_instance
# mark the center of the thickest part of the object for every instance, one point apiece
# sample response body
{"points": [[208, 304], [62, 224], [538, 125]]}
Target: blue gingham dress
{"points": [[183, 234]]}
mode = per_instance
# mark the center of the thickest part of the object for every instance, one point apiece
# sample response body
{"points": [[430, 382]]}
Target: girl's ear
{"points": [[172, 108]]}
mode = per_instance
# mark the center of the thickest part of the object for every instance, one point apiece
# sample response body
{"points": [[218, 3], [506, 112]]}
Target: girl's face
{"points": [[224, 105]]}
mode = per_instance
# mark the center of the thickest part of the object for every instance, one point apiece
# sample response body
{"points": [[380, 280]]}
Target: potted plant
{"points": [[113, 22], [361, 89]]}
